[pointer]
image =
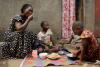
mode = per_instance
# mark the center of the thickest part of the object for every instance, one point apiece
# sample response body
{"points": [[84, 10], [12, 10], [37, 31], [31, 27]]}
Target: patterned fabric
{"points": [[89, 34], [90, 49], [68, 18], [17, 43], [31, 62], [86, 34]]}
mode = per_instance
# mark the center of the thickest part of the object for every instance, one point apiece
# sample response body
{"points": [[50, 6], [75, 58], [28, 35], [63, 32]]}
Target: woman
{"points": [[89, 47], [18, 40]]}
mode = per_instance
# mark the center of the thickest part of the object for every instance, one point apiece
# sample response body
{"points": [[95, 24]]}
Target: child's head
{"points": [[78, 28], [44, 25]]}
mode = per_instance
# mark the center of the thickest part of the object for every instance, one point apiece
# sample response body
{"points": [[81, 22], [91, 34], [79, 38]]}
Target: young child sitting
{"points": [[46, 36]]}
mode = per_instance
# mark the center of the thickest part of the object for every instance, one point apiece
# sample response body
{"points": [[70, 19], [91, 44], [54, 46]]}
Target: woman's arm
{"points": [[81, 54], [21, 27], [70, 40]]}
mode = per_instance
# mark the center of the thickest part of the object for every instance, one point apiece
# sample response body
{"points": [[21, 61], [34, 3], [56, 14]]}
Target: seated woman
{"points": [[18, 40], [89, 47], [46, 36]]}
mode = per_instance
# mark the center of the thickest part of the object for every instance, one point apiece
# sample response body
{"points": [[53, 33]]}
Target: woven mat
{"points": [[29, 61]]}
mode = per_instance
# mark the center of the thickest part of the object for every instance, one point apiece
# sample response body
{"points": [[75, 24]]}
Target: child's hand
{"points": [[63, 41], [40, 49], [46, 48]]}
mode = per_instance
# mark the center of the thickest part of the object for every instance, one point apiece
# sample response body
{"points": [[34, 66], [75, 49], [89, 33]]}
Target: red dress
{"points": [[91, 48]]}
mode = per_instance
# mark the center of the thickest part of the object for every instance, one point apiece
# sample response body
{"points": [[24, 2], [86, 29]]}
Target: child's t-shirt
{"points": [[76, 39], [45, 37]]}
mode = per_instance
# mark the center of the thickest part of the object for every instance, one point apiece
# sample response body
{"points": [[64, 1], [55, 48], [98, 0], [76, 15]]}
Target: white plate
{"points": [[43, 55], [70, 55]]}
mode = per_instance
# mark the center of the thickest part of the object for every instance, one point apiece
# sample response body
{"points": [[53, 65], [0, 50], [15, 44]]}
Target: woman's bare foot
{"points": [[78, 62]]}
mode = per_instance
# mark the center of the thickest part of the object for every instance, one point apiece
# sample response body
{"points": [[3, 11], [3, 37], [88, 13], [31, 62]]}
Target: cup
{"points": [[35, 54]]}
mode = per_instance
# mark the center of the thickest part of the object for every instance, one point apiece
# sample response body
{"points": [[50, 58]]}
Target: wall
{"points": [[89, 14], [49, 10], [97, 18]]}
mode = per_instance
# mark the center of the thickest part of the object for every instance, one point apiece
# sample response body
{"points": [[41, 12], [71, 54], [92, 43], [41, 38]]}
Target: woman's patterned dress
{"points": [[17, 44]]}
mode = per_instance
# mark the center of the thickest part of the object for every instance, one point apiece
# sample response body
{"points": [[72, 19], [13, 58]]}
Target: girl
{"points": [[46, 36]]}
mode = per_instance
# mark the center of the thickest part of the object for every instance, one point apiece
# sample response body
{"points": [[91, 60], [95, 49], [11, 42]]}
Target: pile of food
{"points": [[54, 56]]}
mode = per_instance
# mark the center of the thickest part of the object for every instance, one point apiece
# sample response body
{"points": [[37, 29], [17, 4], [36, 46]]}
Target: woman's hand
{"points": [[78, 62], [20, 26], [30, 18]]}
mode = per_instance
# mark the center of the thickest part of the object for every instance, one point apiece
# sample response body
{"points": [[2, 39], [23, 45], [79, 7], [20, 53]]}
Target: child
{"points": [[45, 35]]}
